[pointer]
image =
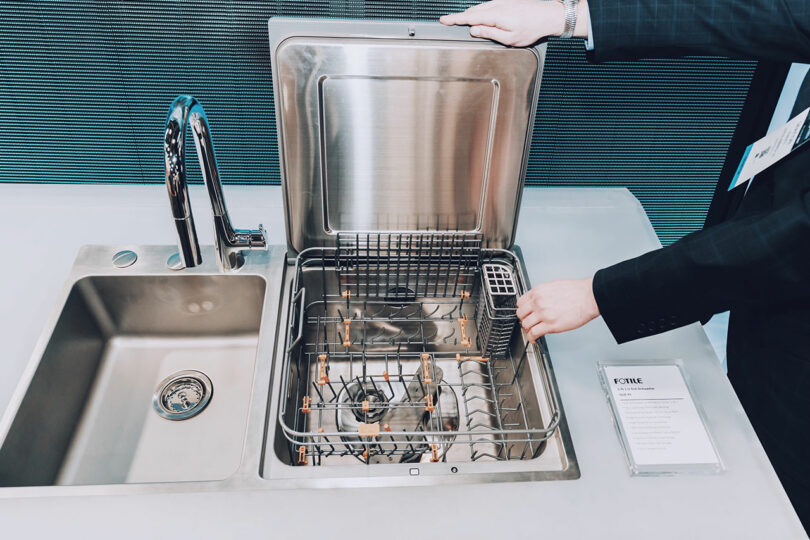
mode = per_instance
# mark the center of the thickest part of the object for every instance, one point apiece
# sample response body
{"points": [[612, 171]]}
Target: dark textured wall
{"points": [[84, 89]]}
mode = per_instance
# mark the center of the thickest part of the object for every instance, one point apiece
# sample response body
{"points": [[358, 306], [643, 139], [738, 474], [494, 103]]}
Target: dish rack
{"points": [[403, 348], [497, 308]]}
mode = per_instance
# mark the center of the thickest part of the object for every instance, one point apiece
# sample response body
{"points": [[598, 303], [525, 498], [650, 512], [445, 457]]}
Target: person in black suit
{"points": [[756, 264]]}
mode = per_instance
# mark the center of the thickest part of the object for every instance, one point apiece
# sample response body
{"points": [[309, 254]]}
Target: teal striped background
{"points": [[84, 89]]}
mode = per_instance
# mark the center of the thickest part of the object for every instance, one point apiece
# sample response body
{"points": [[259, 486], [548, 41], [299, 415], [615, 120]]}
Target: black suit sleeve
{"points": [[753, 29], [756, 260]]}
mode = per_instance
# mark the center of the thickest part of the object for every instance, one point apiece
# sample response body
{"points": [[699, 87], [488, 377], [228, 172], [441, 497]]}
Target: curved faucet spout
{"points": [[230, 242]]}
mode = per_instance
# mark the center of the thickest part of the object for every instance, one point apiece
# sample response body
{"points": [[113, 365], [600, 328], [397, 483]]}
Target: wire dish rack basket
{"points": [[497, 309], [402, 348], [404, 266]]}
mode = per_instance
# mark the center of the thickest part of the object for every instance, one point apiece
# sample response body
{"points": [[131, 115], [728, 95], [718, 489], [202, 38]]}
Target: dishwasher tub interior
{"points": [[401, 356]]}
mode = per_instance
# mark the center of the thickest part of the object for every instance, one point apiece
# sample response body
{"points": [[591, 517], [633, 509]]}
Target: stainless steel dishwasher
{"points": [[399, 358]]}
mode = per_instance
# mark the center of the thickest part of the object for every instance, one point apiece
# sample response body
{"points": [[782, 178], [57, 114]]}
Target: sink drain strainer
{"points": [[183, 395]]}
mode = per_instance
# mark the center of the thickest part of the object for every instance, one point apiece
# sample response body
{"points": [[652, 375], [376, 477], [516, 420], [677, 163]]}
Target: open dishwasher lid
{"points": [[400, 127]]}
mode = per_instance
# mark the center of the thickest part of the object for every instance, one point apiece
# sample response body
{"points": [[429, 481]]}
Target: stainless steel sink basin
{"points": [[147, 376]]}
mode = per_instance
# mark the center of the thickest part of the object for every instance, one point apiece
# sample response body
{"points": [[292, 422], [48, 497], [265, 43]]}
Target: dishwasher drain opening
{"points": [[183, 395]]}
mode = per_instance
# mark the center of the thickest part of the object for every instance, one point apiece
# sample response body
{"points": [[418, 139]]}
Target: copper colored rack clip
{"points": [[426, 368], [323, 378], [306, 401], [347, 340], [461, 358], [434, 452], [346, 295], [302, 455], [369, 430], [465, 339], [429, 407]]}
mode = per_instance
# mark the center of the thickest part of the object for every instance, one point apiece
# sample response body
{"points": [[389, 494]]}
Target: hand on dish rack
{"points": [[557, 306]]}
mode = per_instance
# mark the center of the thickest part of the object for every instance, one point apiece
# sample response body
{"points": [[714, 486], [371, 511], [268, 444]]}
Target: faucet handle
{"points": [[249, 239], [232, 244], [261, 240]]}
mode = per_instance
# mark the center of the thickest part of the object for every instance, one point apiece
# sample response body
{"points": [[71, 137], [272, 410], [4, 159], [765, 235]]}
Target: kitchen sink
{"points": [[379, 347], [145, 377], [148, 379]]}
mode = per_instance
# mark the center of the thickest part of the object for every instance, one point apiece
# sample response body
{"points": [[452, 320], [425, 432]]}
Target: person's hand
{"points": [[518, 23], [557, 306]]}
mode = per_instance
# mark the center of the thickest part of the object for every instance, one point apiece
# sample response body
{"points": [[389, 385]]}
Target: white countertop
{"points": [[563, 233]]}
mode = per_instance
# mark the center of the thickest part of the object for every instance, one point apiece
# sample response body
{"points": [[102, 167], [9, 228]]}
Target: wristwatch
{"points": [[570, 17]]}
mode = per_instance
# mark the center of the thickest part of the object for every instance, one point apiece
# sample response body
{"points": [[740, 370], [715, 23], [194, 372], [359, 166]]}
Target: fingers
{"points": [[526, 304], [522, 300], [476, 15], [524, 310], [458, 19], [538, 330], [490, 32], [466, 18], [530, 320], [526, 298], [451, 19]]}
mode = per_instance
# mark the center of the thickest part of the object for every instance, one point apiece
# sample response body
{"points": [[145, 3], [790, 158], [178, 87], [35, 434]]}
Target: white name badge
{"points": [[772, 148]]}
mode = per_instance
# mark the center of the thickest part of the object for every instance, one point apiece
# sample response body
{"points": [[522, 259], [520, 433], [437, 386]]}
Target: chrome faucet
{"points": [[230, 243]]}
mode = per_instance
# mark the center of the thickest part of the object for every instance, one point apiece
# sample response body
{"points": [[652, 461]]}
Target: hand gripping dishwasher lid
{"points": [[400, 127]]}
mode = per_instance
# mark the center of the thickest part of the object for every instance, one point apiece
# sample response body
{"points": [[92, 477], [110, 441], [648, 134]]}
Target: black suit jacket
{"points": [[756, 264]]}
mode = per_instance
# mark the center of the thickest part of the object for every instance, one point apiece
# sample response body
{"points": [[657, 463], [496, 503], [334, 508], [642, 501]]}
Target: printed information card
{"points": [[659, 422]]}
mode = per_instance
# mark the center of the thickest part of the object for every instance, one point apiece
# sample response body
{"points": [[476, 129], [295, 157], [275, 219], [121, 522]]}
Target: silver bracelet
{"points": [[570, 18]]}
